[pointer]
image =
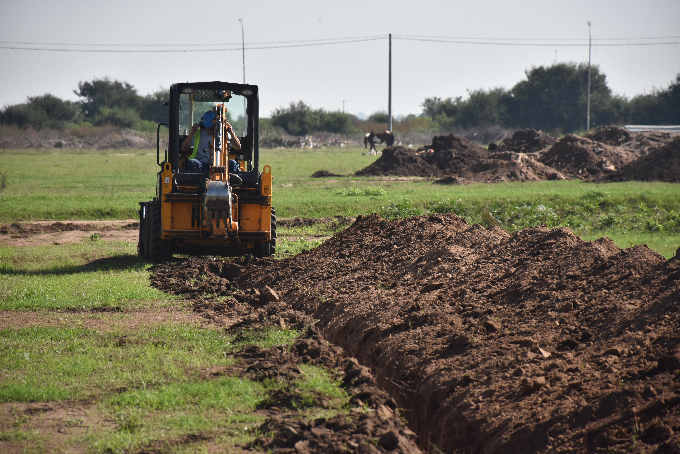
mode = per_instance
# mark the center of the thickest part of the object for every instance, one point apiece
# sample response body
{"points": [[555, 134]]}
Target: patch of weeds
{"points": [[287, 248], [3, 180], [224, 394], [19, 435], [129, 420], [371, 191], [403, 209], [269, 337], [95, 237]]}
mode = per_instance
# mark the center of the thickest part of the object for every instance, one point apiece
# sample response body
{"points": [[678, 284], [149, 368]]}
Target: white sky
{"points": [[326, 76]]}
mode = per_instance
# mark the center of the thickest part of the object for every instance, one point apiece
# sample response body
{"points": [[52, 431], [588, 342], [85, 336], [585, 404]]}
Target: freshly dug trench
{"points": [[494, 342]]}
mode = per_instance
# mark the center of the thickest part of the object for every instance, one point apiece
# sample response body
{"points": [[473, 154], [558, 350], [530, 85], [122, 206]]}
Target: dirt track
{"points": [[492, 342]]}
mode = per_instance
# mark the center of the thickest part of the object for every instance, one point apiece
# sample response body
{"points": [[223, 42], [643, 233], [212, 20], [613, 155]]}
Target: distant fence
{"points": [[642, 128]]}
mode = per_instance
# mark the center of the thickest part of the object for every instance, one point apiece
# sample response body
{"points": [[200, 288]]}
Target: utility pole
{"points": [[389, 89], [589, 47], [243, 47]]}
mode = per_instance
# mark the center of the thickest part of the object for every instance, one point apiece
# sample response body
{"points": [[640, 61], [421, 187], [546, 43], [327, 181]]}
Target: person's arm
{"points": [[235, 143], [186, 145]]}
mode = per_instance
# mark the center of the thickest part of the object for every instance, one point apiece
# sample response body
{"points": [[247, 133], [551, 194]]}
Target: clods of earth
{"points": [[483, 341], [605, 154]]}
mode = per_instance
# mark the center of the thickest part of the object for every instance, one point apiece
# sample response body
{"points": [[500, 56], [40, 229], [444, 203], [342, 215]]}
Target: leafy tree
{"points": [[42, 112], [671, 100], [300, 119], [554, 98], [152, 108], [379, 117], [116, 116], [662, 107], [483, 108], [434, 107], [104, 92]]}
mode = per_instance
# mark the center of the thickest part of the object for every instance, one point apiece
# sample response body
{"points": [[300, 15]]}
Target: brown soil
{"points": [[61, 420], [492, 342], [610, 135], [457, 161], [20, 234], [374, 417], [529, 155], [26, 229], [527, 141], [585, 159], [662, 164], [324, 173], [102, 318]]}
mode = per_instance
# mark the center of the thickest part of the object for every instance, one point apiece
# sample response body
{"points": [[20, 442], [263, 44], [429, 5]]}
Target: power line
{"points": [[254, 46], [193, 45], [226, 47], [463, 38], [545, 44]]}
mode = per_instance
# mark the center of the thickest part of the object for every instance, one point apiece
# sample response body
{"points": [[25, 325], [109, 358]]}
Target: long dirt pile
{"points": [[454, 156], [494, 342], [530, 155]]}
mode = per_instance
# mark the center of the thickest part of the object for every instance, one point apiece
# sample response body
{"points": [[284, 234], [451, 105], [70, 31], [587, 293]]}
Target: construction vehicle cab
{"points": [[225, 208]]}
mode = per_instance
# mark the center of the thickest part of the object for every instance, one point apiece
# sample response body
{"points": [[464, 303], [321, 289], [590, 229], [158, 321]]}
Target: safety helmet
{"points": [[208, 118]]}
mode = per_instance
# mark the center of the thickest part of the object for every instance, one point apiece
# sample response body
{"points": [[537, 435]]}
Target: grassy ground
{"points": [[109, 184], [95, 360]]}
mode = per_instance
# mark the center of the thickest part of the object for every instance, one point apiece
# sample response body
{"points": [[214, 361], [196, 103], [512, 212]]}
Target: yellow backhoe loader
{"points": [[211, 197]]}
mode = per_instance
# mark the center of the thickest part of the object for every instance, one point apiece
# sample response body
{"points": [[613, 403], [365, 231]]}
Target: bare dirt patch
{"points": [[40, 233], [101, 318], [52, 425], [492, 342]]}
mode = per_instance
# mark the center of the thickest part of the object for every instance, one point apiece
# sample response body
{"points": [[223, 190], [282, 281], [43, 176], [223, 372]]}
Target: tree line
{"points": [[103, 102], [551, 98]]}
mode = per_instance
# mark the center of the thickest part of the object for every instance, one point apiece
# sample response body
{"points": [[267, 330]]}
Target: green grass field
{"points": [[108, 184]]}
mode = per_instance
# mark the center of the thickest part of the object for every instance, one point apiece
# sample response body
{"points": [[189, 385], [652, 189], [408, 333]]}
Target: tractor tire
{"points": [[264, 250], [155, 241], [272, 242], [141, 242]]}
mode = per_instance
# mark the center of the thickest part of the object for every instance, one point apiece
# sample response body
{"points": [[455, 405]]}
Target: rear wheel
{"points": [[159, 250], [272, 242], [141, 243]]}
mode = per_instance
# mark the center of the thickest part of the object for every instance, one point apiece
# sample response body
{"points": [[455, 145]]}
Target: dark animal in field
{"points": [[382, 137]]}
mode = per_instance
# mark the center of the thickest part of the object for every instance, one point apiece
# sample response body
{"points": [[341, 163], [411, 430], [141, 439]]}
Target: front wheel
{"points": [[272, 242]]}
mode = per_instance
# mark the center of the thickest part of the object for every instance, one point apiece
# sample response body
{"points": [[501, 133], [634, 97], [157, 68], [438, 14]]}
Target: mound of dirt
{"points": [[324, 173], [400, 161], [585, 159], [643, 143], [492, 342], [457, 161], [662, 164], [610, 135], [526, 141], [447, 155]]}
